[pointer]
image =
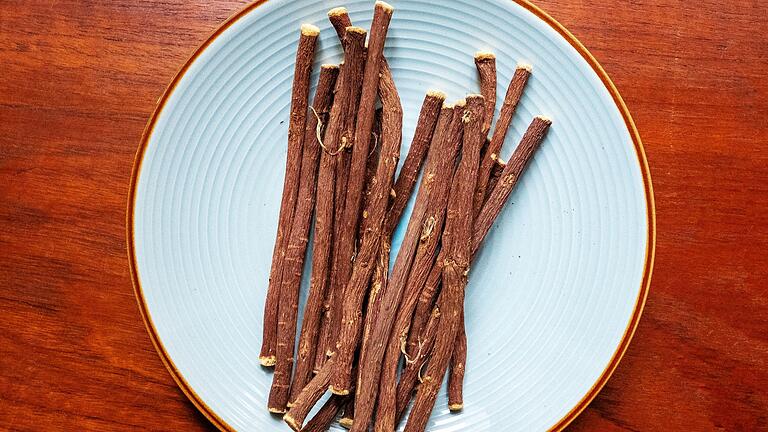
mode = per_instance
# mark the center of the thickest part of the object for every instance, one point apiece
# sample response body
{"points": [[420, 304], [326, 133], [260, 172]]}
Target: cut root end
{"points": [[384, 5], [347, 422], [437, 94], [310, 30], [292, 422], [358, 30], [484, 55], [525, 66], [337, 11], [340, 392], [456, 407], [274, 410], [268, 361]]}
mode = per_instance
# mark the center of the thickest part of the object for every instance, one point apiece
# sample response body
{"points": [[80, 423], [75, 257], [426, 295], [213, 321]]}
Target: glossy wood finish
{"points": [[78, 81]]}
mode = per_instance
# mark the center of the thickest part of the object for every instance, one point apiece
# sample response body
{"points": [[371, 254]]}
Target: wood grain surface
{"points": [[79, 79]]}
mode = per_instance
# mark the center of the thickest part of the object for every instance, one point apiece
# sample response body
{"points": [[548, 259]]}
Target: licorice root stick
{"points": [[308, 397], [339, 18], [456, 371], [498, 167], [350, 219], [425, 127], [351, 70], [305, 55], [413, 365], [459, 356], [351, 325], [409, 172], [348, 411], [486, 69], [508, 107], [457, 238], [404, 185], [425, 231], [402, 190], [513, 169], [322, 421], [373, 159], [297, 245]]}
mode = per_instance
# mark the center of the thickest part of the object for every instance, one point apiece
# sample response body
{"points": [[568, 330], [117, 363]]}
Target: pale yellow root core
{"points": [[525, 66], [460, 103], [456, 407], [436, 94], [267, 361], [353, 29], [544, 118], [347, 422], [291, 422], [309, 30], [484, 55], [337, 11], [386, 6], [340, 392], [276, 410]]}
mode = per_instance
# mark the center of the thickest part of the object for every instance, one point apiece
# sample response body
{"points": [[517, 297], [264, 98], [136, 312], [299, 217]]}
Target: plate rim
{"points": [[650, 251]]}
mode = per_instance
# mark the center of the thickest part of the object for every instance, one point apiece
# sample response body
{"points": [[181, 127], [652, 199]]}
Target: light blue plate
{"points": [[557, 290]]}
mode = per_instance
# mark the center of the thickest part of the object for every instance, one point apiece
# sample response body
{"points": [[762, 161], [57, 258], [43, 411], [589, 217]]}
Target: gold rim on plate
{"points": [[642, 161]]}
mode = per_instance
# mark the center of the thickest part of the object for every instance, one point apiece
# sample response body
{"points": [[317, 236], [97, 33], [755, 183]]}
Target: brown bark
{"points": [[425, 260], [511, 100], [409, 172], [486, 69], [339, 18], [430, 109], [351, 72], [414, 364], [515, 167], [373, 159], [297, 245], [305, 54], [402, 190], [419, 244], [490, 210], [498, 167], [350, 330], [457, 239], [459, 356], [308, 397], [401, 193], [322, 421], [287, 303], [349, 221], [458, 366], [378, 285], [348, 411]]}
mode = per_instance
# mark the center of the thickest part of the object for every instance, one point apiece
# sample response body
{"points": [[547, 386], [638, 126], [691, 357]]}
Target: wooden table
{"points": [[78, 81]]}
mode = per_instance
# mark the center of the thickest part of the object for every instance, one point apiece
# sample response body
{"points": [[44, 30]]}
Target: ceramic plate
{"points": [[557, 290]]}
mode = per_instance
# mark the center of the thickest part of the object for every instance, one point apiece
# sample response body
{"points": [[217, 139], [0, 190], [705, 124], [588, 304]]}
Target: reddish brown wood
{"points": [[297, 245], [422, 235], [80, 79], [349, 220], [457, 241], [376, 211]]}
